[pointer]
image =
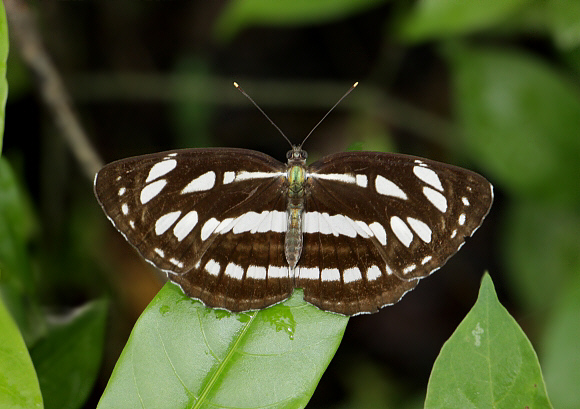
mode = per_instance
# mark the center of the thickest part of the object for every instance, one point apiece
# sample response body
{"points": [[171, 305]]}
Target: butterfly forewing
{"points": [[191, 213], [375, 223]]}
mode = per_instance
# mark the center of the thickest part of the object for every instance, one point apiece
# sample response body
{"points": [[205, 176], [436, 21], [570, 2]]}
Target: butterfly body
{"points": [[239, 230]]}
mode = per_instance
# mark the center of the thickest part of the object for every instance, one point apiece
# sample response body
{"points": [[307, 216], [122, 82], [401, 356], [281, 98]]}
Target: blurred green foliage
{"points": [[513, 78]]}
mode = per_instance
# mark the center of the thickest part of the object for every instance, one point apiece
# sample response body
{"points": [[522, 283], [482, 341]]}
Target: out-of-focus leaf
{"points": [[561, 355], [68, 359], [3, 59], [17, 225], [182, 355], [240, 14], [370, 135], [487, 363], [191, 118], [521, 120], [18, 382], [564, 21], [443, 18], [541, 248]]}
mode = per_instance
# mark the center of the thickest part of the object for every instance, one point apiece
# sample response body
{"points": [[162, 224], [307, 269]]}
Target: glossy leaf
{"points": [[521, 120], [18, 383], [68, 359], [443, 18], [240, 14], [184, 355], [487, 363], [3, 59]]}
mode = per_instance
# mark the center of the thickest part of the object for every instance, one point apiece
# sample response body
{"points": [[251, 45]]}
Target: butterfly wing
{"points": [[195, 215], [375, 223]]}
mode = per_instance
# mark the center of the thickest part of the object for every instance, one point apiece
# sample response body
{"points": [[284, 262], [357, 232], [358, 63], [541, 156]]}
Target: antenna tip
{"points": [[236, 85], [355, 84]]}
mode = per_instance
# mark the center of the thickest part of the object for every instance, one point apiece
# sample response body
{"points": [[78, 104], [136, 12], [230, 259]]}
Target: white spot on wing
{"points": [[165, 222], [422, 230], [125, 209], [122, 191], [132, 224], [402, 231], [362, 180], [461, 219], [160, 169], [330, 274], [385, 187], [409, 268], [213, 267], [465, 201], [351, 274], [310, 273], [256, 272], [373, 273], [159, 252], [176, 262], [152, 190], [201, 183], [234, 271], [379, 232], [185, 225], [428, 176], [315, 222], [436, 198], [229, 177], [246, 222], [208, 228], [278, 272], [335, 177], [258, 175], [279, 222], [426, 260], [454, 233]]}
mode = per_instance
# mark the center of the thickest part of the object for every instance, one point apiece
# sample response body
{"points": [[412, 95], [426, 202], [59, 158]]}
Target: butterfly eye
{"points": [[289, 154]]}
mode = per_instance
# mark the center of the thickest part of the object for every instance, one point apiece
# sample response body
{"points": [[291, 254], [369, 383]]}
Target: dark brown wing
{"points": [[375, 223], [196, 215]]}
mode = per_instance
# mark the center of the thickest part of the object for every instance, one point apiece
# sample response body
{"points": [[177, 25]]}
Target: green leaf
{"points": [[520, 119], [564, 20], [184, 355], [540, 239], [561, 355], [444, 18], [240, 14], [3, 59], [68, 359], [18, 383], [17, 226], [487, 363]]}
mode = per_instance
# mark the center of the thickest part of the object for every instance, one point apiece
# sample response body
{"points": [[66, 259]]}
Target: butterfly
{"points": [[239, 230]]}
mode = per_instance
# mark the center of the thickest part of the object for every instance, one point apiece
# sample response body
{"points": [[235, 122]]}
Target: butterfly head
{"points": [[296, 156]]}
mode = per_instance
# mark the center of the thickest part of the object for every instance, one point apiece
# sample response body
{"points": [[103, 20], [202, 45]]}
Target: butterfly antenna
{"points": [[329, 111], [262, 111]]}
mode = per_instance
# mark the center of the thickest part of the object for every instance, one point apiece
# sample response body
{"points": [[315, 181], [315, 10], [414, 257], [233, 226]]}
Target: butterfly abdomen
{"points": [[295, 208]]}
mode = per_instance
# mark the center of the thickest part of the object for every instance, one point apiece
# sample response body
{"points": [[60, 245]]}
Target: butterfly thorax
{"points": [[296, 176]]}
